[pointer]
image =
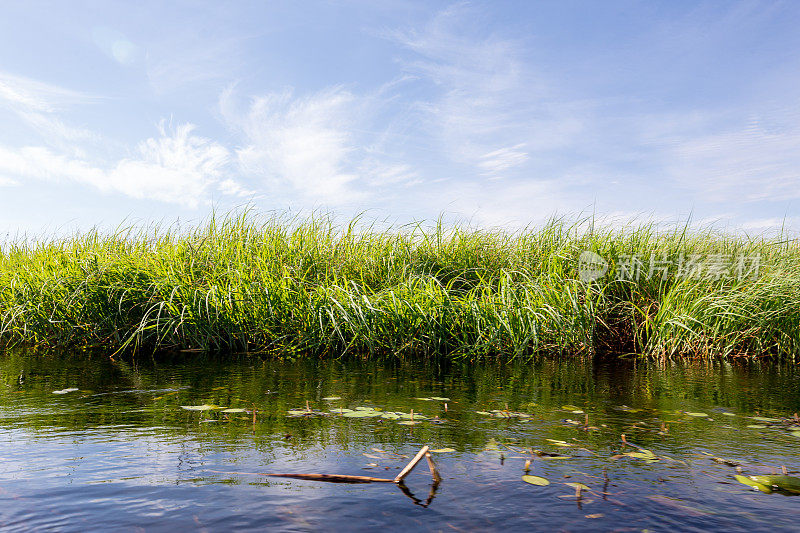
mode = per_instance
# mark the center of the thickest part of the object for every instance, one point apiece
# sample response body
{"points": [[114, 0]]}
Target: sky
{"points": [[499, 114]]}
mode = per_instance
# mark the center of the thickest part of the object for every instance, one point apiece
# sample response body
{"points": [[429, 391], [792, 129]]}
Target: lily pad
{"points": [[698, 415], [750, 483], [366, 409], [362, 414], [558, 443], [390, 416], [787, 483], [332, 398], [65, 391], [204, 407], [341, 410], [408, 422], [757, 426], [234, 410], [300, 412], [443, 450], [440, 398], [536, 480], [764, 419]]}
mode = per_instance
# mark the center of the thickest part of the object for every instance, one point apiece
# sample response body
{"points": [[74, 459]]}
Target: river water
{"points": [[123, 452]]}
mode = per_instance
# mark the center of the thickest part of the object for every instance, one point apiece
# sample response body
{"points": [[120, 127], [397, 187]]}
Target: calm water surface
{"points": [[120, 453]]}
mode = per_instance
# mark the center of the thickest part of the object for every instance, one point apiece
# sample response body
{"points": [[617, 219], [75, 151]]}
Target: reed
{"points": [[311, 287]]}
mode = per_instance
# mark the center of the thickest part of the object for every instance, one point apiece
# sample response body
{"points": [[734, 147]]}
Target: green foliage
{"points": [[311, 287]]}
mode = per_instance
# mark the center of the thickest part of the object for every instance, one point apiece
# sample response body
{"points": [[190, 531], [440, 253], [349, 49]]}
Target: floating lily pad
{"points": [[204, 407], [341, 410], [571, 408], [536, 480], [484, 413], [300, 412], [558, 443], [787, 483], [443, 450], [764, 419], [757, 426], [332, 398], [440, 398], [362, 414], [698, 415], [366, 409], [750, 483], [408, 422], [234, 410], [65, 391]]}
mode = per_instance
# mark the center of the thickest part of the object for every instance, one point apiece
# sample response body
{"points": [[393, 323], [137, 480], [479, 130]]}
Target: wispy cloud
{"points": [[20, 93], [176, 167], [733, 159], [298, 145]]}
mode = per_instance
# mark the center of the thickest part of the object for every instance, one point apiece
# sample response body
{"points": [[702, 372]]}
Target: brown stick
{"points": [[333, 478], [432, 467], [410, 466]]}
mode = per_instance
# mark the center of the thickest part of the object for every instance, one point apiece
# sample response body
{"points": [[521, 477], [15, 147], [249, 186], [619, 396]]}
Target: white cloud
{"points": [[730, 160], [7, 182], [300, 145], [498, 161], [176, 167], [22, 93], [490, 109]]}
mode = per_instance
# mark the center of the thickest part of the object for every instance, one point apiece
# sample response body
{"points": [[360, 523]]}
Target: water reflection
{"points": [[121, 452]]}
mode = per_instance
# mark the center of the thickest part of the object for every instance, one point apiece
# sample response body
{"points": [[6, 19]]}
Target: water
{"points": [[121, 453]]}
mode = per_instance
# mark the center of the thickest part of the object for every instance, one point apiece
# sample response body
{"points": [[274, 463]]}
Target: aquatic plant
{"points": [[291, 287]]}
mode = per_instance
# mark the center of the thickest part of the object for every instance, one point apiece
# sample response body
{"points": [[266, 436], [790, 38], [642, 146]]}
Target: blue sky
{"points": [[499, 113]]}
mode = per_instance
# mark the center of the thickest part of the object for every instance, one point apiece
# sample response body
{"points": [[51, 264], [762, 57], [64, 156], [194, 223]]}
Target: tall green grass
{"points": [[246, 283]]}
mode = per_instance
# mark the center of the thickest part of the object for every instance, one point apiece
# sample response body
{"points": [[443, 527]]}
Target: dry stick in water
{"points": [[410, 466], [336, 478], [432, 467]]}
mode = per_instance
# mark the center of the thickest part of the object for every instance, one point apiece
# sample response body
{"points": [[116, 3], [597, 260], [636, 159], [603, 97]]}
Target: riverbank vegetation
{"points": [[245, 283]]}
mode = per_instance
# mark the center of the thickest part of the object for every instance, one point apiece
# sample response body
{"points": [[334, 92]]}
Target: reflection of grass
{"points": [[313, 288]]}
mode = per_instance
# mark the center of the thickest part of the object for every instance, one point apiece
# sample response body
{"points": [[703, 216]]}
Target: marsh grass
{"points": [[245, 283]]}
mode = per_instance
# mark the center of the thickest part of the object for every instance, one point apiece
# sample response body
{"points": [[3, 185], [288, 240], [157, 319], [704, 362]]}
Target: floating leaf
{"points": [[408, 422], [484, 413], [439, 398], [558, 443], [341, 410], [332, 398], [571, 408], [726, 413], [787, 483], [757, 426], [536, 480], [750, 483], [234, 410], [204, 407], [443, 450], [390, 416], [699, 415], [764, 419], [796, 433], [366, 409], [65, 391], [416, 416], [299, 412], [361, 414], [371, 456]]}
